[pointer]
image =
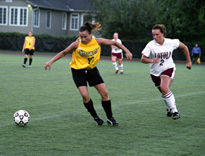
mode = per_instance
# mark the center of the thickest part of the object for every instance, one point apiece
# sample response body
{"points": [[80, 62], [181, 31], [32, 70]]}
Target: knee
{"points": [[104, 95], [164, 90]]}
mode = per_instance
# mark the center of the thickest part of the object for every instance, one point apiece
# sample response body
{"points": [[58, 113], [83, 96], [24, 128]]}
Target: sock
{"points": [[121, 67], [30, 61], [90, 108], [115, 65], [25, 60], [107, 107], [170, 102]]}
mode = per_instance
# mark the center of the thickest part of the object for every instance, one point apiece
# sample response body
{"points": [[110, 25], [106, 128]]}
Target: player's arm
{"points": [[186, 53], [145, 59], [24, 45], [114, 43], [61, 54]]}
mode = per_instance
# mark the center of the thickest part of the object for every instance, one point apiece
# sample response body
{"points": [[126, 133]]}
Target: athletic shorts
{"points": [[118, 55], [29, 52], [156, 79], [82, 76]]}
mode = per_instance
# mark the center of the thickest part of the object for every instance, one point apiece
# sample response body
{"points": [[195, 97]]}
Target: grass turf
{"points": [[60, 125]]}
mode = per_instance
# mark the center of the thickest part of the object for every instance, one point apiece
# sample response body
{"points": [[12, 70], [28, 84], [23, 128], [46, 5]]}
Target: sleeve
{"points": [[175, 43], [147, 50]]}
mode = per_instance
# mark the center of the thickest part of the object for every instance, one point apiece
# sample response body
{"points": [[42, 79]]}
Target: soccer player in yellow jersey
{"points": [[86, 54], [28, 48]]}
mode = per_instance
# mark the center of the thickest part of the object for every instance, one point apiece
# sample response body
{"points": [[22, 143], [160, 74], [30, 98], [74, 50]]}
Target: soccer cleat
{"points": [[116, 71], [121, 72], [169, 114], [29, 66], [98, 120], [112, 121], [175, 115], [23, 65]]}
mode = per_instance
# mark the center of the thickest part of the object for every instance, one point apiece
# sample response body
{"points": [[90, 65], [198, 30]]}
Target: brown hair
{"points": [[89, 26], [161, 27]]}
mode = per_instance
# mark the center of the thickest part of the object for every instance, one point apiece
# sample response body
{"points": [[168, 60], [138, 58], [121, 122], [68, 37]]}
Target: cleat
{"points": [[116, 71], [175, 115], [98, 120], [23, 65], [121, 72], [29, 66], [169, 113], [112, 121]]}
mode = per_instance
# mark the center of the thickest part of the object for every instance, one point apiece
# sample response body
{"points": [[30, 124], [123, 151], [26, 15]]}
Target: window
{"points": [[74, 23], [64, 20], [3, 15], [18, 16], [48, 19], [36, 17], [87, 17]]}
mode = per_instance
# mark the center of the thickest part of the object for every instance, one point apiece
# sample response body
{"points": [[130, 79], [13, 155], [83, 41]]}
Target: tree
{"points": [[134, 19]]}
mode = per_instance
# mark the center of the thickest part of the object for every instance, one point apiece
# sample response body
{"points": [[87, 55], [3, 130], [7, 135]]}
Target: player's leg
{"points": [[88, 103], [25, 60], [114, 58], [31, 57], [79, 77], [119, 57], [106, 103], [120, 65], [168, 96]]}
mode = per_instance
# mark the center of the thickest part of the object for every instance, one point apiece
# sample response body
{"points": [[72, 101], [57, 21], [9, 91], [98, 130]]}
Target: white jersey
{"points": [[114, 50], [163, 52]]}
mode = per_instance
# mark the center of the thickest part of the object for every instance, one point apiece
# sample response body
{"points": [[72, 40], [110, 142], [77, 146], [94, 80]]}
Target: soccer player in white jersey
{"points": [[117, 54], [158, 53]]}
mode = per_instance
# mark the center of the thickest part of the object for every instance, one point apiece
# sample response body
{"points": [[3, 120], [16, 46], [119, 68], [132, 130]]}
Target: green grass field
{"points": [[60, 125]]}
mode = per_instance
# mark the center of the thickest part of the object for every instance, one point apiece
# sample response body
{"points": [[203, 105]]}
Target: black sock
{"points": [[107, 107], [30, 61], [90, 108], [25, 60]]}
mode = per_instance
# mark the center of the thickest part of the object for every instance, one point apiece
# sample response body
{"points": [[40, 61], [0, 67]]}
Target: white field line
{"points": [[125, 104]]}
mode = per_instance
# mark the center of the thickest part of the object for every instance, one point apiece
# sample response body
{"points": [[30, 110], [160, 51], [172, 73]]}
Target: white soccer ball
{"points": [[21, 117]]}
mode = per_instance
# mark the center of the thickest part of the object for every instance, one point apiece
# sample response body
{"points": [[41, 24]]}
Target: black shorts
{"points": [[82, 76], [29, 52]]}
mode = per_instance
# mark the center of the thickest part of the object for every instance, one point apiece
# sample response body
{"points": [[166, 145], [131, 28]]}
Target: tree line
{"points": [[134, 19]]}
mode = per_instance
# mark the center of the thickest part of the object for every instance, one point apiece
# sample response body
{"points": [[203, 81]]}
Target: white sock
{"points": [[121, 67], [170, 102], [115, 65]]}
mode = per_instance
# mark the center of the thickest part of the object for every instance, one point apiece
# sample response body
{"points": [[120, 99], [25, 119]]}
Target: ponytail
{"points": [[89, 26]]}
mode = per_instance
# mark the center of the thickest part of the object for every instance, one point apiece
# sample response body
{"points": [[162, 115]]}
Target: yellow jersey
{"points": [[29, 42], [86, 56]]}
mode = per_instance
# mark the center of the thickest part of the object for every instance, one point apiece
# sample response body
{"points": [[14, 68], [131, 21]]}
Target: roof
{"points": [[63, 5]]}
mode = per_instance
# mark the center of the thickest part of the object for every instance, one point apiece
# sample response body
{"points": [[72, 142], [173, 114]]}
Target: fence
{"points": [[56, 45]]}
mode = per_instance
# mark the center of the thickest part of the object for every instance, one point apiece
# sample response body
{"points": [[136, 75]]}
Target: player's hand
{"points": [[188, 65], [155, 60], [22, 51], [48, 64], [129, 56]]}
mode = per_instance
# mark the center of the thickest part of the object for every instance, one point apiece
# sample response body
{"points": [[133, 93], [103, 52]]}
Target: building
{"points": [[53, 17]]}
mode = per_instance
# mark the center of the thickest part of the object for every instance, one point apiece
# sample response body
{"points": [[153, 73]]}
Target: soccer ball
{"points": [[21, 117]]}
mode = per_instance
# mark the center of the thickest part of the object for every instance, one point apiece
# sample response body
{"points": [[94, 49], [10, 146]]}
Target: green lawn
{"points": [[60, 125]]}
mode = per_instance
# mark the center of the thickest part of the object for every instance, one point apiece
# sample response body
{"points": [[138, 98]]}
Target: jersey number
{"points": [[90, 59], [161, 62]]}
